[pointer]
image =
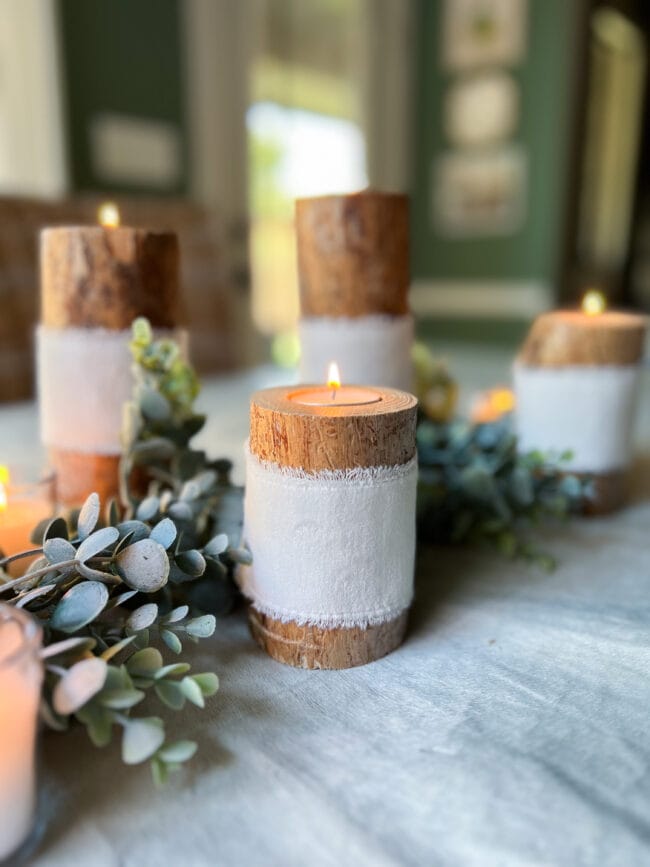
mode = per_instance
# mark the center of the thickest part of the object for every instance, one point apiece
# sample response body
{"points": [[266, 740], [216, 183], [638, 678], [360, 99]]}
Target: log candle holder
{"points": [[94, 282], [330, 521], [353, 271], [576, 381]]}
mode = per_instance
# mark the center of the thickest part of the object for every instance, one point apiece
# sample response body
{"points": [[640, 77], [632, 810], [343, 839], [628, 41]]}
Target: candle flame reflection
{"points": [[594, 302], [108, 215]]}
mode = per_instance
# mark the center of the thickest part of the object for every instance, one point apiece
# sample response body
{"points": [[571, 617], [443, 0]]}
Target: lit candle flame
{"points": [[108, 215], [4, 481], [333, 378], [594, 302], [492, 405]]}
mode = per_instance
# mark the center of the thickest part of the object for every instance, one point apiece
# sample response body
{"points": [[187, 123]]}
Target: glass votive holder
{"points": [[21, 675], [26, 497]]}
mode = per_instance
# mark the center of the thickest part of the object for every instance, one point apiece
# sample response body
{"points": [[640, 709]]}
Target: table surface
{"points": [[510, 729]]}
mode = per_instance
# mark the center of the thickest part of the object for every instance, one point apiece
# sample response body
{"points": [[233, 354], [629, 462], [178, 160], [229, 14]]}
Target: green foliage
{"points": [[154, 570], [475, 487]]}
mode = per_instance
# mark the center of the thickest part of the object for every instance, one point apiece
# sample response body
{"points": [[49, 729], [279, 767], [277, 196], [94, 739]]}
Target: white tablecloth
{"points": [[510, 729]]}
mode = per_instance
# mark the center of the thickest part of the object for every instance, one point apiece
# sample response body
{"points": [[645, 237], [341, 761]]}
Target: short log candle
{"points": [[576, 381], [353, 271], [330, 521], [95, 280]]}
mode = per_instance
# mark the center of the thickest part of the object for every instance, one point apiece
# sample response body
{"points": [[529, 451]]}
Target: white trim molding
{"points": [[468, 299]]}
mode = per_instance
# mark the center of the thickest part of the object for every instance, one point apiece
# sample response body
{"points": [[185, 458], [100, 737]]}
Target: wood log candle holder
{"points": [[353, 271], [330, 521], [94, 282], [576, 381]]}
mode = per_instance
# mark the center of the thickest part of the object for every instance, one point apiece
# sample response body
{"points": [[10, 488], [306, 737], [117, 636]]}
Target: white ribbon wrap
{"points": [[84, 380], [370, 350], [588, 410], [330, 549]]}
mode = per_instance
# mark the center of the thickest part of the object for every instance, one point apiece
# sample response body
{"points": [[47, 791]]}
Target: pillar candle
{"points": [[353, 270], [95, 280], [330, 521], [576, 382]]}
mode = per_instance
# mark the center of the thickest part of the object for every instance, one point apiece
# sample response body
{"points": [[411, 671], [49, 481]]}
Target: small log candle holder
{"points": [[94, 282], [576, 383], [330, 521], [353, 271]]}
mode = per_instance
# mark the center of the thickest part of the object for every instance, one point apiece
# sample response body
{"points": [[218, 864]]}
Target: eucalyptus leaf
{"points": [[191, 562], [171, 640], [149, 451], [57, 528], [145, 663], [120, 699], [216, 545], [176, 614], [144, 566], [192, 691], [154, 405], [181, 511], [78, 685], [79, 606], [170, 693], [207, 682], [138, 530], [141, 739], [97, 542], [58, 550], [143, 617], [201, 627], [98, 722], [61, 648], [88, 516], [173, 669], [148, 509], [164, 533], [180, 751]]}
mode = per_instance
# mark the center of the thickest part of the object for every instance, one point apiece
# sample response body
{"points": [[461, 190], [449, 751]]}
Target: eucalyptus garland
{"points": [[110, 590], [475, 487]]}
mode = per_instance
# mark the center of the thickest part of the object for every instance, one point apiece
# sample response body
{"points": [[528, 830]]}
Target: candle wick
{"points": [[333, 394]]}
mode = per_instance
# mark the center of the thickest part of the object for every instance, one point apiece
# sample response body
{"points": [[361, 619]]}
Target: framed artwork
{"points": [[483, 32], [481, 109], [480, 193]]}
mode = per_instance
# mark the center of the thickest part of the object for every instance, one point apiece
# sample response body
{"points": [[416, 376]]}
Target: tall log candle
{"points": [[576, 383], [95, 280], [330, 521], [353, 271]]}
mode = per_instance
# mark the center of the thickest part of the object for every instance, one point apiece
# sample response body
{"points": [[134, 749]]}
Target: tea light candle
{"points": [[353, 270], [20, 686], [330, 521], [95, 280], [576, 382]]}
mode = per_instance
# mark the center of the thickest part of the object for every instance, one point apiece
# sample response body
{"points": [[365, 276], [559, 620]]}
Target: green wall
{"points": [[125, 57], [545, 79]]}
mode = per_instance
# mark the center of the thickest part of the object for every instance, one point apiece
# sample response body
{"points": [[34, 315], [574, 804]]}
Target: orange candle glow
{"points": [[492, 405], [22, 506]]}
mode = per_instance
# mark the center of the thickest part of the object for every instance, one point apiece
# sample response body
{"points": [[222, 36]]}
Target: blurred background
{"points": [[518, 127]]}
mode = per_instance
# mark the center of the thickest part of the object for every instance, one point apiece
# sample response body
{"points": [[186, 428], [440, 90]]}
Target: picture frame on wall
{"points": [[480, 193], [479, 33]]}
